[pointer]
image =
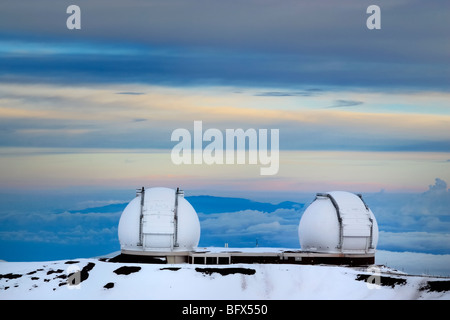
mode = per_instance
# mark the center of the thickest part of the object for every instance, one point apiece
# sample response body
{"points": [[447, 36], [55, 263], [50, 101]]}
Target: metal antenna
{"points": [[175, 216], [339, 218], [141, 216]]}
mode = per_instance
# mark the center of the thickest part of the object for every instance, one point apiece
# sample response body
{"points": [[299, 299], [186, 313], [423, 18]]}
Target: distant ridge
{"points": [[116, 207], [212, 204], [209, 204]]}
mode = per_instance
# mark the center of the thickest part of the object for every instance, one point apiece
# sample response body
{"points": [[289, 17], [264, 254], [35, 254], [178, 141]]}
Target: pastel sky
{"points": [[357, 109], [91, 111]]}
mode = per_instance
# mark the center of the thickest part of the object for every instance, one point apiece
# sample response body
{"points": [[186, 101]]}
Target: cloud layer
{"points": [[409, 222], [116, 117], [245, 42]]}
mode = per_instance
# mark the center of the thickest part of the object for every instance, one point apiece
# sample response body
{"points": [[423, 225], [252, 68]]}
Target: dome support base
{"points": [[245, 255]]}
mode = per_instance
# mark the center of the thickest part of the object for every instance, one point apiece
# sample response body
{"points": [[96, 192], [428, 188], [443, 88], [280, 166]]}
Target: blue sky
{"points": [[89, 113]]}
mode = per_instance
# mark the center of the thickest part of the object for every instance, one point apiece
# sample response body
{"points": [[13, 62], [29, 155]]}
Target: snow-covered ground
{"points": [[96, 279], [415, 262]]}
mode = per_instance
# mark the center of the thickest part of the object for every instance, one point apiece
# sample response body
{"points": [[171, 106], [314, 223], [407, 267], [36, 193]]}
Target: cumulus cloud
{"points": [[77, 235], [414, 262], [244, 228], [64, 229], [417, 222], [439, 187], [408, 222], [434, 202], [418, 241]]}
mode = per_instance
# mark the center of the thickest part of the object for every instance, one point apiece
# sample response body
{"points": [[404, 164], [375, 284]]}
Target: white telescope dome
{"points": [[338, 222], [159, 219]]}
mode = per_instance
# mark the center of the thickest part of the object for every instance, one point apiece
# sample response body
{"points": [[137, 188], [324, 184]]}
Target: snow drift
{"points": [[99, 279]]}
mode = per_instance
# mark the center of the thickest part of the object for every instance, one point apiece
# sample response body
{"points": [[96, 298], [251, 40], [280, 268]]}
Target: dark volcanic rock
{"points": [[383, 280], [85, 271], [438, 286], [226, 271], [10, 276], [171, 268], [77, 277], [54, 271], [126, 270], [109, 285]]}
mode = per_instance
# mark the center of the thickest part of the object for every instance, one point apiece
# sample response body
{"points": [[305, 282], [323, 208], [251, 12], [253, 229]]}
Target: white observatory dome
{"points": [[159, 219], [338, 222]]}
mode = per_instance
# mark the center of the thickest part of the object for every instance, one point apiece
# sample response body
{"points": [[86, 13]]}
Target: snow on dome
{"points": [[159, 219], [338, 221]]}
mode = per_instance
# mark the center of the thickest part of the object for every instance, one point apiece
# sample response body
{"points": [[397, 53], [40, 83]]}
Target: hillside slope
{"points": [[98, 279]]}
